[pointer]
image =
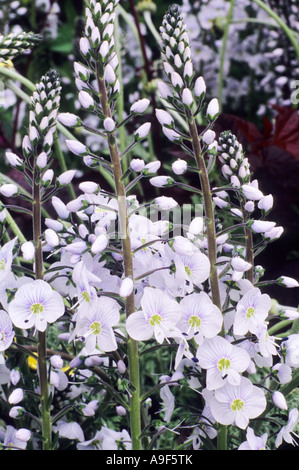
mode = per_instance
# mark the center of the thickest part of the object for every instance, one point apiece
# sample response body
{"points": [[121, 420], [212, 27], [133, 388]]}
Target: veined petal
{"points": [[138, 327]]}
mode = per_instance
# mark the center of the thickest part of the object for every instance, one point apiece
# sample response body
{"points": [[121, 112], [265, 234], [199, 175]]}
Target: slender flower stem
{"points": [[42, 342], [212, 247], [135, 410], [249, 247]]}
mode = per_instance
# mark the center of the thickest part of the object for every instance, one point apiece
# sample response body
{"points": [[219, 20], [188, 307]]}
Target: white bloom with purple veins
{"points": [[223, 361], [158, 316], [6, 331], [251, 310], [253, 442], [35, 305], [95, 327], [237, 404], [200, 317]]}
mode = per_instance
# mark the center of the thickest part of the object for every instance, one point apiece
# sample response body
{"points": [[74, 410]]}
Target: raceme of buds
{"points": [[14, 44]]}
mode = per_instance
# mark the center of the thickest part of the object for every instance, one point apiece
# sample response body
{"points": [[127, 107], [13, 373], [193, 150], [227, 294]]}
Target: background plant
{"points": [[109, 125]]}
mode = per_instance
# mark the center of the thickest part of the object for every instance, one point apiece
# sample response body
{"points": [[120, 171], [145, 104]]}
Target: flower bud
{"points": [[279, 400], [51, 237], [69, 119], [208, 137], [60, 208], [99, 244], [165, 90], [88, 187], [179, 166], [16, 412], [66, 177], [200, 87], [251, 192], [161, 181], [9, 190], [287, 281], [213, 109], [86, 100], [42, 160], [266, 203], [76, 147], [126, 287], [14, 160], [109, 124], [16, 396], [139, 106], [187, 97], [23, 434], [137, 164], [56, 361], [142, 131], [28, 250], [164, 118]]}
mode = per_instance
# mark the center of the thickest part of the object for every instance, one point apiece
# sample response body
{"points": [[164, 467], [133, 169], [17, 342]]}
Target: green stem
{"points": [[223, 51], [42, 346], [211, 236], [135, 409], [289, 33]]}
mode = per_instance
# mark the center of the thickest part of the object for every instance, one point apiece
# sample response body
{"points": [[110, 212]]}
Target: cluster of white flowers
{"points": [[85, 286]]}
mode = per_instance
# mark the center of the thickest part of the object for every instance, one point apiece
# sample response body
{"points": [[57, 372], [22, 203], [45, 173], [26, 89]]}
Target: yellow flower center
{"points": [[37, 308], [155, 319], [86, 296], [223, 364], [96, 327], [249, 312], [188, 270], [237, 404], [194, 321]]}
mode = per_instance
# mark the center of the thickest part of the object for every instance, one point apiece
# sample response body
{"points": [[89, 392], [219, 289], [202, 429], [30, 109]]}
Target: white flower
{"points": [[253, 442], [35, 304], [200, 317], [285, 434], [6, 258], [158, 316], [51, 237], [95, 327], [6, 331], [183, 246], [251, 310], [237, 404], [88, 187], [239, 264], [224, 362], [56, 361], [42, 160], [70, 430], [165, 90]]}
